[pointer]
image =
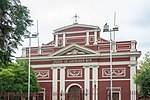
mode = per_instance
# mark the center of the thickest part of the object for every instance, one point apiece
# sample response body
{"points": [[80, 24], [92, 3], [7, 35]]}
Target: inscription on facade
{"points": [[72, 61], [116, 72], [42, 74], [72, 73]]}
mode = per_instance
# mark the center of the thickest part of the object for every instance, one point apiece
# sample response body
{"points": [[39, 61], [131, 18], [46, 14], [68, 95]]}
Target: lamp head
{"points": [[106, 28], [116, 28]]}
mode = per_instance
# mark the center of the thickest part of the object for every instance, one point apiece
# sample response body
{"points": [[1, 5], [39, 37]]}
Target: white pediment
{"points": [[76, 25], [74, 49]]}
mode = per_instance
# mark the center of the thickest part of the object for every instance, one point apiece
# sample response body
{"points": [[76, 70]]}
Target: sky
{"points": [[132, 17]]}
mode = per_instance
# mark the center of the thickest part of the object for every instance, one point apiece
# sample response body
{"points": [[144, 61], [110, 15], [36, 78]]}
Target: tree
{"points": [[14, 78], [142, 79], [14, 20]]}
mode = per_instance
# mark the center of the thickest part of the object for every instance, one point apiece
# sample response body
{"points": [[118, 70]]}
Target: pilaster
{"points": [[132, 84], [64, 39], [56, 40], [54, 84], [62, 83], [95, 82], [95, 37], [87, 82], [87, 38]]}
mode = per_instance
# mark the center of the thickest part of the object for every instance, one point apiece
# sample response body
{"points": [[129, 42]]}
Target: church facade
{"points": [[76, 65]]}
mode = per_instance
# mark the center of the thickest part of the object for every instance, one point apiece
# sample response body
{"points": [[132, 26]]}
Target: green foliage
{"points": [[14, 20], [142, 79], [14, 78]]}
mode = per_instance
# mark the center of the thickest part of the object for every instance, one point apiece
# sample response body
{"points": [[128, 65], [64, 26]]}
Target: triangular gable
{"points": [[78, 27], [74, 49]]}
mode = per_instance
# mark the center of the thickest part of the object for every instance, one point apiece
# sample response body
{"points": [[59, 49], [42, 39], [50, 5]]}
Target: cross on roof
{"points": [[75, 19]]}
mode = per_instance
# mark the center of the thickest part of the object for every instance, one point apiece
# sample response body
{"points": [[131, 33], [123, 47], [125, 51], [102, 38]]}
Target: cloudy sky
{"points": [[132, 16]]}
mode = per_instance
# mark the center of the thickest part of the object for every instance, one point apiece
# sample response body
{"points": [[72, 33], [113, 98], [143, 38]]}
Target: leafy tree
{"points": [[142, 79], [14, 20], [14, 78]]}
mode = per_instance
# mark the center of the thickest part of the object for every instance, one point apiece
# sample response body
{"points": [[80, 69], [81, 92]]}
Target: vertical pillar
{"points": [[56, 40], [87, 82], [133, 45], [54, 84], [95, 37], [23, 52], [64, 39], [87, 38], [132, 84], [95, 82], [62, 83]]}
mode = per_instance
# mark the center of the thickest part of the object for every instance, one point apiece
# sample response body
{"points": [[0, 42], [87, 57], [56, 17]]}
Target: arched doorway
{"points": [[75, 93]]}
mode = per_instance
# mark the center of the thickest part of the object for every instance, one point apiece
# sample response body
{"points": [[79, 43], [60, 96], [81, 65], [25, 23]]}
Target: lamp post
{"points": [[106, 29], [29, 36]]}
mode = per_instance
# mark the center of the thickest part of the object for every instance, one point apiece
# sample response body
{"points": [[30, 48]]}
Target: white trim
{"points": [[67, 89], [73, 76], [100, 80], [87, 82], [43, 92], [77, 32], [67, 48], [132, 84], [114, 79], [42, 76], [95, 82], [54, 84], [94, 63], [62, 82], [95, 38], [87, 38], [102, 55], [64, 39], [56, 40], [76, 25], [84, 64], [115, 91], [124, 70], [74, 37]]}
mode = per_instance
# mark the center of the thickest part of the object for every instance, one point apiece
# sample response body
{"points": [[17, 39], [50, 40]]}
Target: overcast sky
{"points": [[132, 17]]}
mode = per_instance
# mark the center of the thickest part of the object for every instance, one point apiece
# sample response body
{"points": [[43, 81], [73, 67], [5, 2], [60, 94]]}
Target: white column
{"points": [[23, 52], [132, 84], [95, 82], [133, 45], [56, 40], [87, 38], [95, 37], [62, 83], [64, 39], [86, 82], [54, 84]]}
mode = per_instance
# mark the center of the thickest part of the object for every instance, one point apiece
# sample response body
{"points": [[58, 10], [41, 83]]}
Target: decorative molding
{"points": [[73, 73], [116, 72], [42, 74], [75, 52]]}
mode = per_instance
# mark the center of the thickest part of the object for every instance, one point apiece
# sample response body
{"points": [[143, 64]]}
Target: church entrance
{"points": [[75, 93]]}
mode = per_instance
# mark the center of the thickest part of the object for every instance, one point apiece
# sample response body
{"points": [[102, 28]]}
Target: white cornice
{"points": [[75, 25], [91, 56], [86, 64], [77, 31]]}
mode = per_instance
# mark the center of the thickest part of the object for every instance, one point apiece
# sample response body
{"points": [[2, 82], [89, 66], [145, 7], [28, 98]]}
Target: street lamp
{"points": [[29, 36], [106, 29]]}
